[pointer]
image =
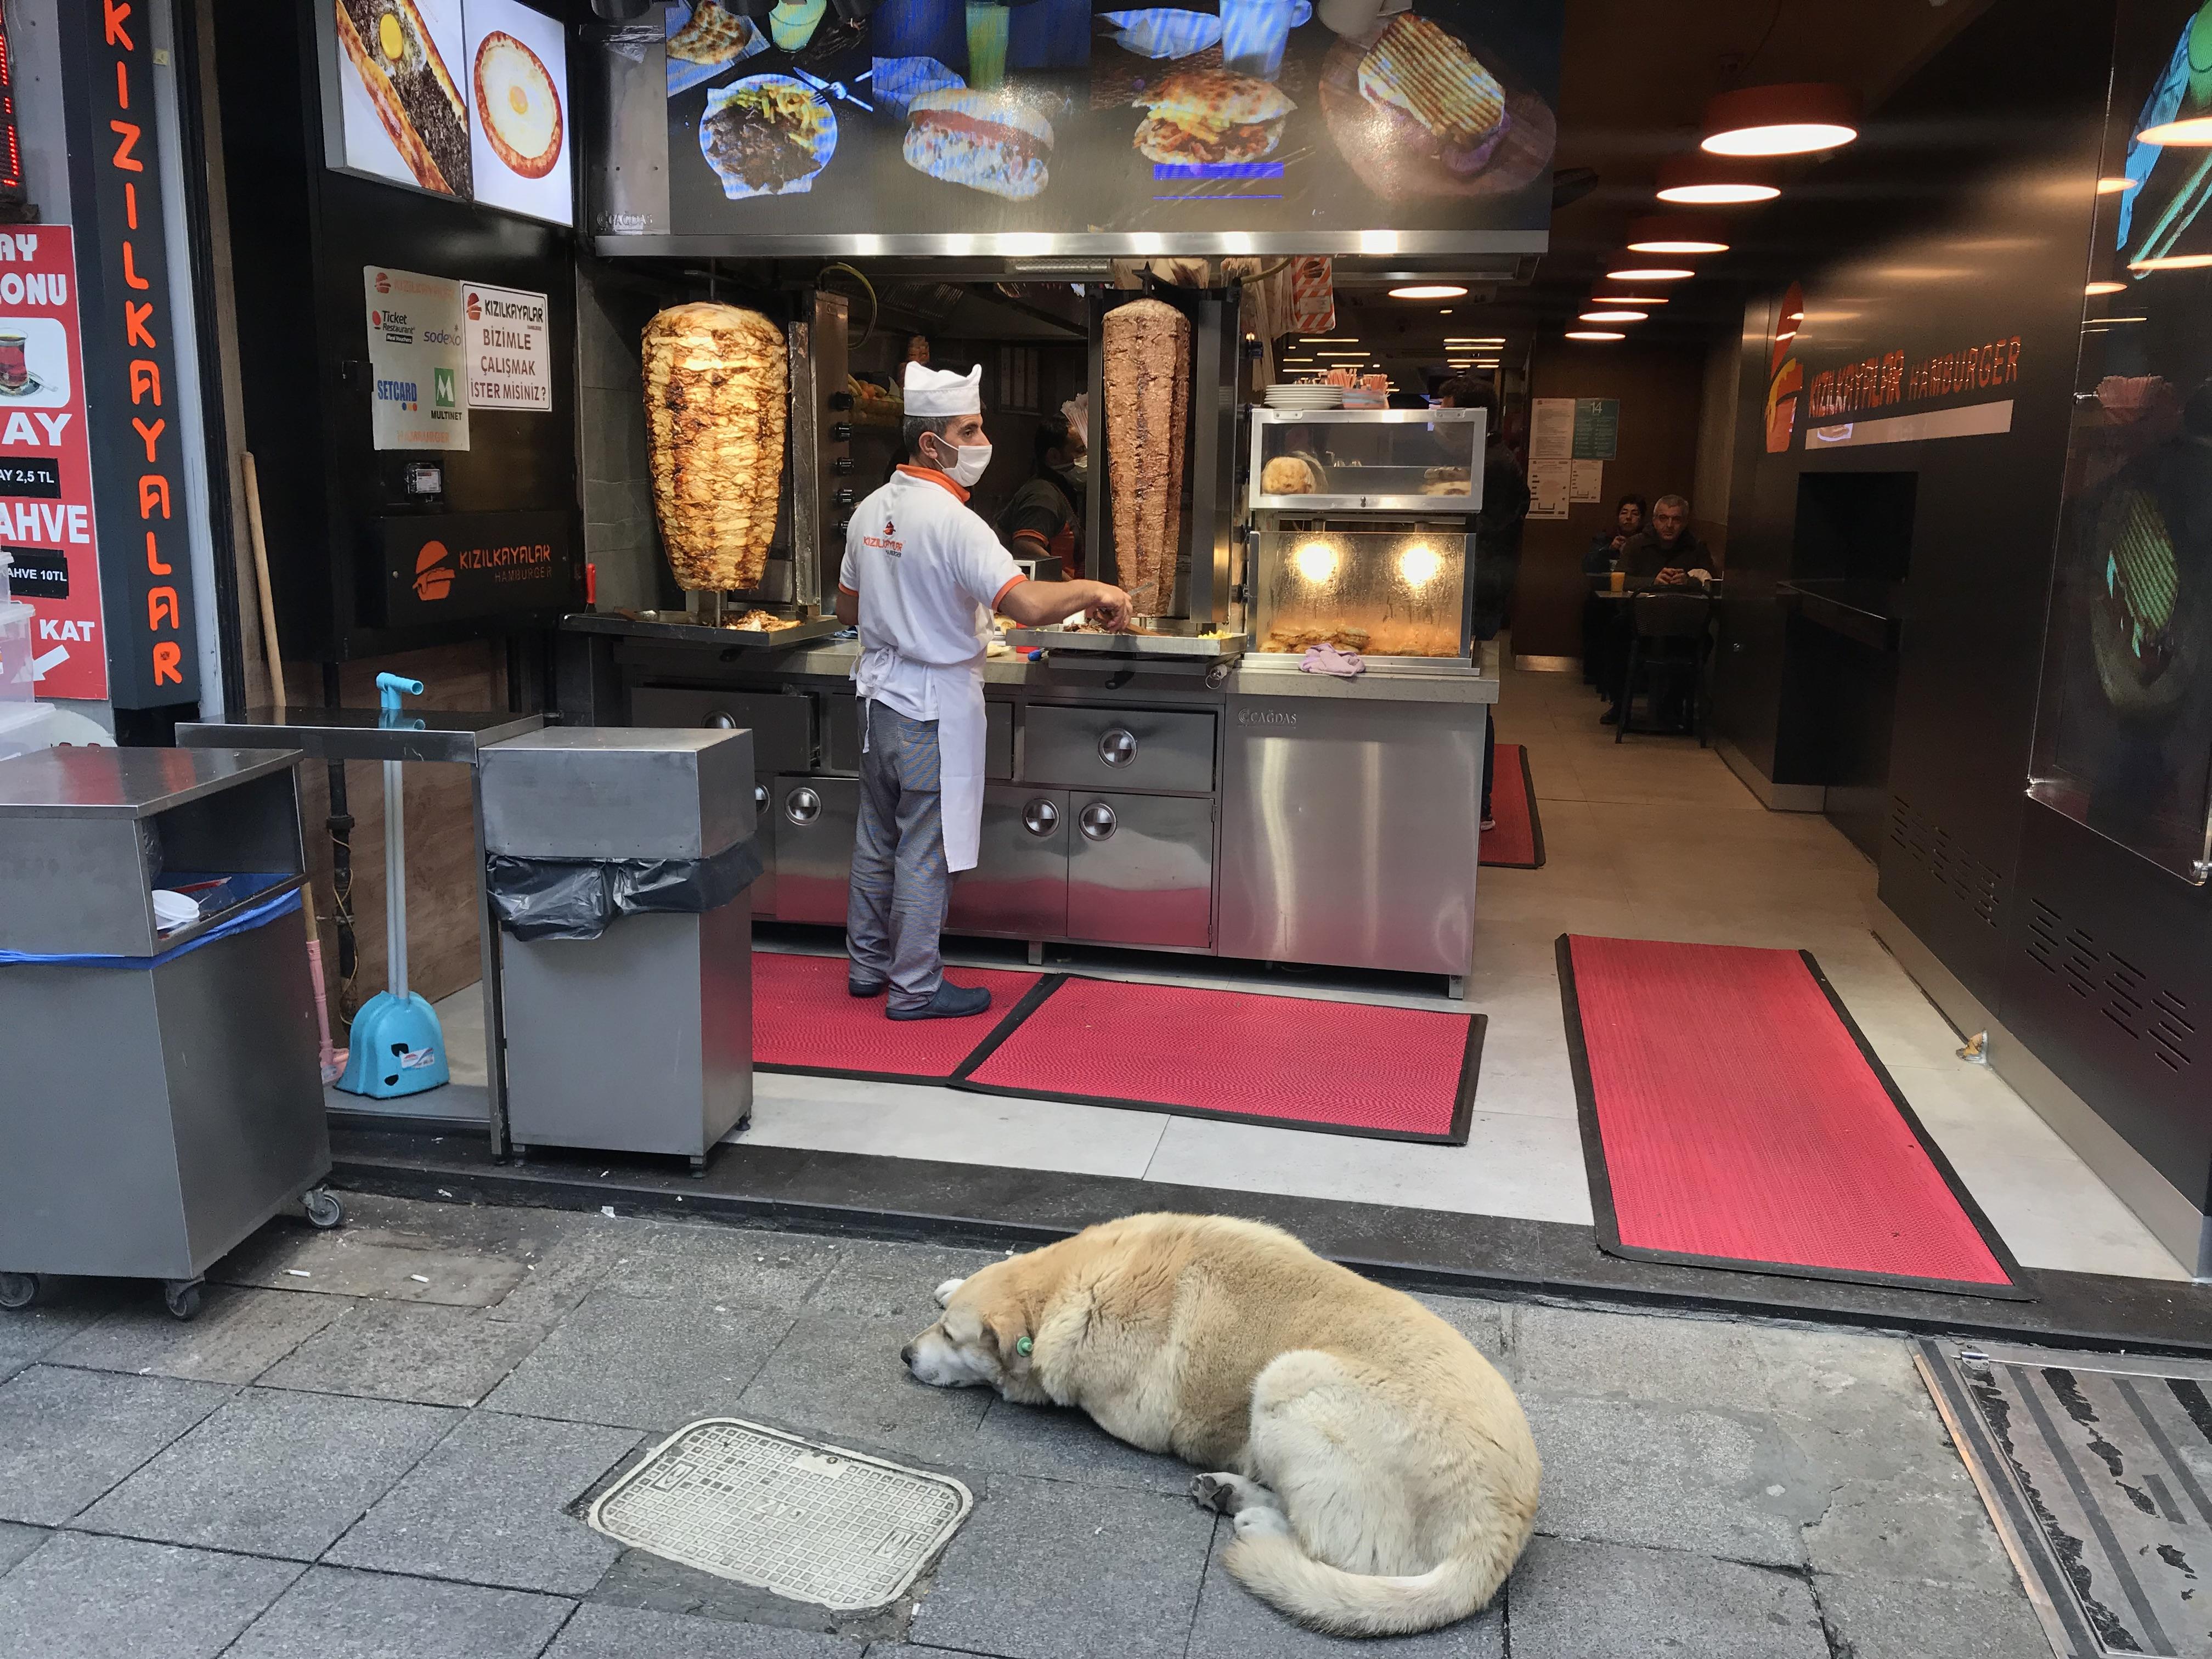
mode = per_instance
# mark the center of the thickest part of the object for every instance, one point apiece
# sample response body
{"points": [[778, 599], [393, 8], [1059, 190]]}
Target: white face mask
{"points": [[973, 457]]}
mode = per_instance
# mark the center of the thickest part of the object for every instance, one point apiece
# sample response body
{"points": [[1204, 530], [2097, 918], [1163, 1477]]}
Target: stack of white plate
{"points": [[1287, 396]]}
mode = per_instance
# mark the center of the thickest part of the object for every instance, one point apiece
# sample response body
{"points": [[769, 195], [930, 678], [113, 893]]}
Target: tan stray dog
{"points": [[1380, 1471]]}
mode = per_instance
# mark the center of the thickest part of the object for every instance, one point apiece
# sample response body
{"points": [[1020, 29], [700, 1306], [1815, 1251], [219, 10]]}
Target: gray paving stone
{"points": [[731, 1264], [1669, 1477], [1066, 1445], [603, 1633], [1569, 1601], [239, 1334], [896, 1281], [400, 1265], [66, 1437], [103, 1598], [563, 1253], [333, 1613], [1483, 1323], [1881, 1618], [18, 1542], [29, 1334], [1044, 1570], [643, 1362], [1234, 1624], [1599, 1355], [839, 1373], [440, 1356], [273, 1473], [488, 1506], [1931, 1525]]}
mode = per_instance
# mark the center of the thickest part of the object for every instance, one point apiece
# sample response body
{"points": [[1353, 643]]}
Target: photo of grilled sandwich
{"points": [[1416, 68], [1201, 116], [415, 96], [984, 140]]}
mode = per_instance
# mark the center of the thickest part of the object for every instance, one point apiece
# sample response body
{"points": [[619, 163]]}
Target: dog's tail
{"points": [[1271, 1563]]}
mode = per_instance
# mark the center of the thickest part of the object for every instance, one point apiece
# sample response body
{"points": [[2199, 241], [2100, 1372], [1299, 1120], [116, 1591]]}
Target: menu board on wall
{"points": [[466, 99], [1244, 126]]}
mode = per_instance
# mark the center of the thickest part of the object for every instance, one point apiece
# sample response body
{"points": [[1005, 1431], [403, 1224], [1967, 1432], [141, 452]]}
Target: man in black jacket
{"points": [[1669, 550]]}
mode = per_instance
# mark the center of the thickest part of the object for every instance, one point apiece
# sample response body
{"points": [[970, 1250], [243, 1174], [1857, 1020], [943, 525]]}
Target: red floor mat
{"points": [[803, 1021], [1516, 841], [1733, 1116], [1296, 1062]]}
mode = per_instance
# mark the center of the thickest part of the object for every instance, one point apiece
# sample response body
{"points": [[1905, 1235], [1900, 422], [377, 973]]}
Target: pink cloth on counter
{"points": [[1327, 659]]}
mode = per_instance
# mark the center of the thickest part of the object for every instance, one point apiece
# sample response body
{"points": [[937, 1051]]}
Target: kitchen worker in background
{"points": [[1044, 519], [922, 575]]}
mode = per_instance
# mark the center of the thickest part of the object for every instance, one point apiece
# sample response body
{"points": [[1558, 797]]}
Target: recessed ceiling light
{"points": [[1429, 291], [1628, 298], [1614, 316], [2114, 186], [1790, 118], [2104, 288], [2172, 262], [1649, 273], [1661, 232], [1593, 334], [1446, 312], [2193, 133], [1713, 181]]}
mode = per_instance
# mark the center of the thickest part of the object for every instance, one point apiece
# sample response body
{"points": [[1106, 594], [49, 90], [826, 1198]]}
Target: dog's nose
{"points": [[906, 1356]]}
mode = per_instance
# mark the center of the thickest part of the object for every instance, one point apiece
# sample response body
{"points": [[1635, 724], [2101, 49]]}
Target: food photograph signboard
{"points": [[1278, 124], [461, 97]]}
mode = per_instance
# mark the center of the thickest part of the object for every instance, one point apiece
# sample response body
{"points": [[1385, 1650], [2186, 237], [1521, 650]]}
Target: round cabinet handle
{"points": [[760, 798], [721, 721], [1040, 817], [1095, 821], [802, 807], [1118, 747]]}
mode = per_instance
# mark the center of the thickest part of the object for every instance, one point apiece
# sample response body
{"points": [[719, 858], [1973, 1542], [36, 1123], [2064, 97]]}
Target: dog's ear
{"points": [[1009, 1341]]}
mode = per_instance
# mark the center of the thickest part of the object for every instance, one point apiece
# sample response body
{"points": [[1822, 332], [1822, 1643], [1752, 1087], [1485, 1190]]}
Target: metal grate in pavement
{"points": [[816, 1523], [2097, 1469]]}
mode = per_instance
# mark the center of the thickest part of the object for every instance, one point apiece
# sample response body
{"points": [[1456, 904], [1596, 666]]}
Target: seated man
{"points": [[1605, 547], [1669, 550]]}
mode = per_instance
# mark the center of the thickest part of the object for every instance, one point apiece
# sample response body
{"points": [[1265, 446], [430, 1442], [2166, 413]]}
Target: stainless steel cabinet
{"points": [[841, 735], [1119, 749], [815, 819], [783, 741], [1141, 869], [1019, 884]]}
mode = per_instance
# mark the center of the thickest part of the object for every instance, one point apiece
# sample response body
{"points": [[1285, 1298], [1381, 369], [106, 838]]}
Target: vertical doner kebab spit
{"points": [[1147, 347], [715, 379]]}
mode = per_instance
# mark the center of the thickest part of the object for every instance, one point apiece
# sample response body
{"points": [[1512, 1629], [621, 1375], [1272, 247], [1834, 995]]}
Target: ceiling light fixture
{"points": [[2104, 288], [2172, 262], [1702, 180], [1649, 273], [1628, 298], [1667, 233], [1429, 291], [1614, 316], [1792, 117], [2193, 134], [2115, 186], [1593, 334]]}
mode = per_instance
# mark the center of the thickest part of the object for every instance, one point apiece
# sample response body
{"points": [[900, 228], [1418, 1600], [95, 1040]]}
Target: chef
{"points": [[922, 575]]}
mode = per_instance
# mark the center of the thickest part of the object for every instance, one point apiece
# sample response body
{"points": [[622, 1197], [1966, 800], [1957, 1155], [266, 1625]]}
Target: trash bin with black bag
{"points": [[616, 859]]}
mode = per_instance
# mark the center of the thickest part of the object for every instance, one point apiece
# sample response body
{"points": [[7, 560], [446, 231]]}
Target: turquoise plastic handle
{"points": [[388, 688]]}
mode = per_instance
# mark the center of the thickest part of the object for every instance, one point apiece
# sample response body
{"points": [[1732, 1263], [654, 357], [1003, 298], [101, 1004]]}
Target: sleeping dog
{"points": [[1380, 1471]]}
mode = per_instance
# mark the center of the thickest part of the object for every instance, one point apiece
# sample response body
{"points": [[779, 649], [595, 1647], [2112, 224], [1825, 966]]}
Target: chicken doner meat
{"points": [[1147, 349], [715, 378]]}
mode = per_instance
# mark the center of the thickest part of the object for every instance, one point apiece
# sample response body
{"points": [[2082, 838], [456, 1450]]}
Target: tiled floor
{"points": [[1652, 838]]}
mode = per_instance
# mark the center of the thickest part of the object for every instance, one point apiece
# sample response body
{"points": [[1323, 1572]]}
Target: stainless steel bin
{"points": [[639, 1040], [160, 1098]]}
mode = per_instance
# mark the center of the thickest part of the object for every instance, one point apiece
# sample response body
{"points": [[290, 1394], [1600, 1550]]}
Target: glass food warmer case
{"points": [[1361, 532]]}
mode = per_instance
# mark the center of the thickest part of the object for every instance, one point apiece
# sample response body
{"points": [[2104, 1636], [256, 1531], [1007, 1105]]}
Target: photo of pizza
{"points": [[520, 122], [519, 105]]}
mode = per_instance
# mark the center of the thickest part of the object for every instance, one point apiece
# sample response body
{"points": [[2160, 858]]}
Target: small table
{"points": [[455, 736]]}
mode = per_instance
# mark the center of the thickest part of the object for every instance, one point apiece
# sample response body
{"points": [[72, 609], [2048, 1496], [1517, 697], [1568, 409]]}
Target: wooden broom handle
{"points": [[261, 580]]}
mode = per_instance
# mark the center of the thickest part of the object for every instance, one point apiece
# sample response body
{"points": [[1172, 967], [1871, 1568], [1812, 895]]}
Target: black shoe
{"points": [[862, 987], [1611, 717], [951, 1002]]}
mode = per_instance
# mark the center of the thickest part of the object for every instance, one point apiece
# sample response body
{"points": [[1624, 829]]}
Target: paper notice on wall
{"points": [[1585, 481], [509, 348], [1548, 482], [1551, 429], [416, 368]]}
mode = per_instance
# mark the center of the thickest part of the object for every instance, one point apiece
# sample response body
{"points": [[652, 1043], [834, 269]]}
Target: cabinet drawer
{"points": [[815, 819], [1018, 887], [1141, 869], [1136, 749], [841, 727], [782, 725]]}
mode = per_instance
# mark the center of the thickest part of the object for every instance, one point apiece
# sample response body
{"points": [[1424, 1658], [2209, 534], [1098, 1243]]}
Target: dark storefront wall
{"points": [[2008, 123], [1659, 389]]}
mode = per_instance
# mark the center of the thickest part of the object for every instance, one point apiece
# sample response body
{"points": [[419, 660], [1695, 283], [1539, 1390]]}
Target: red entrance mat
{"points": [[803, 1021], [1516, 841], [1344, 1068], [1734, 1116]]}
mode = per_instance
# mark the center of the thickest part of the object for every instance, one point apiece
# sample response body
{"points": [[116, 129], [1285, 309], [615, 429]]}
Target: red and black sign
{"points": [[454, 566], [130, 391]]}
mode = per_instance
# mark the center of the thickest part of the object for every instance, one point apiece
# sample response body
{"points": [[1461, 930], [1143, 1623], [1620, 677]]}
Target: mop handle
{"points": [[388, 690]]}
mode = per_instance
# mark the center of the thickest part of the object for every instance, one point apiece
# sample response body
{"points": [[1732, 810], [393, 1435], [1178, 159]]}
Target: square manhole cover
{"points": [[816, 1523]]}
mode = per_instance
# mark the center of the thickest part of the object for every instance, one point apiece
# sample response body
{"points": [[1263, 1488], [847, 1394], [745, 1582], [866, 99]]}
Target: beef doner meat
{"points": [[714, 412], [1147, 345]]}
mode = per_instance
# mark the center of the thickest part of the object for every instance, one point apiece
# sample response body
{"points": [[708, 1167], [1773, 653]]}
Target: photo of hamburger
{"points": [[984, 140], [1201, 116], [1418, 71]]}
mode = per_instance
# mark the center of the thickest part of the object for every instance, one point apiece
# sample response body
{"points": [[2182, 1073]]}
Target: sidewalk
{"points": [[373, 1442]]}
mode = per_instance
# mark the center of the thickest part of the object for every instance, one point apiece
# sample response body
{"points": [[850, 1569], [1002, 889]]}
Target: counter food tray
{"points": [[1206, 646], [677, 625]]}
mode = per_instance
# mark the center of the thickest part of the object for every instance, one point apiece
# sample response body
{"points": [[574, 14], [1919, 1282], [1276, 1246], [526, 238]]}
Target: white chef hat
{"points": [[933, 394]]}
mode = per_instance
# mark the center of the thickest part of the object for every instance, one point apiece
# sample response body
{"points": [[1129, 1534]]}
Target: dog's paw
{"points": [[1215, 1492], [944, 1292], [1261, 1520]]}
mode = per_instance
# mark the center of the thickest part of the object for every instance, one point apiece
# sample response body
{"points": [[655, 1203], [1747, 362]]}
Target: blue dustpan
{"points": [[397, 1047]]}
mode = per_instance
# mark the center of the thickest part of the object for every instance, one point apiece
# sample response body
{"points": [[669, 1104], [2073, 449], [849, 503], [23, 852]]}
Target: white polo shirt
{"points": [[928, 572]]}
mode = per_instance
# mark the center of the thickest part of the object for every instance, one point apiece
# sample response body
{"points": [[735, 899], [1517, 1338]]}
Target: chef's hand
{"points": [[1108, 606], [1673, 576]]}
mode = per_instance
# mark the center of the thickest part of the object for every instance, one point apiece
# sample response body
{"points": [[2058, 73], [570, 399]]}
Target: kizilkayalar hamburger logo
{"points": [[1785, 380], [434, 572]]}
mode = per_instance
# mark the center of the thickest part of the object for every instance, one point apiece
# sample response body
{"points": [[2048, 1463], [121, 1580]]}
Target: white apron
{"points": [[958, 688]]}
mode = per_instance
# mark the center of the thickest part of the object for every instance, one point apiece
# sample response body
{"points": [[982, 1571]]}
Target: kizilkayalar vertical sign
{"points": [[129, 355]]}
